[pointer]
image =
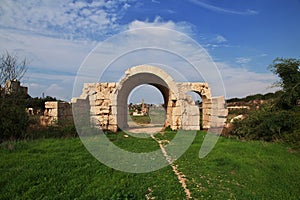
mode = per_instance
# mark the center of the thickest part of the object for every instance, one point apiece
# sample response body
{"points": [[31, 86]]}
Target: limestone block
{"points": [[106, 103], [97, 102], [218, 102], [176, 110], [104, 111], [86, 86], [53, 113], [99, 87], [99, 96], [103, 122], [74, 100], [206, 104], [95, 110], [174, 96], [216, 121], [113, 128], [51, 104], [112, 119], [190, 120], [112, 85], [83, 96], [94, 120], [191, 128], [113, 110], [92, 97], [176, 121], [207, 111], [221, 112], [193, 110], [104, 85]]}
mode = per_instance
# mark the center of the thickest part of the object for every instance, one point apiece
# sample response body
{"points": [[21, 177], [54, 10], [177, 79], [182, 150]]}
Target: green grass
{"points": [[64, 169], [154, 117], [242, 170], [141, 119]]}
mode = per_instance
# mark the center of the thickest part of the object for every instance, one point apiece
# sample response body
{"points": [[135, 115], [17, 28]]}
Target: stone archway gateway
{"points": [[108, 101]]}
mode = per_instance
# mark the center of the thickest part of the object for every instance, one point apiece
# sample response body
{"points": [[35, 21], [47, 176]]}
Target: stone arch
{"points": [[139, 75], [191, 120], [203, 90], [108, 107]]}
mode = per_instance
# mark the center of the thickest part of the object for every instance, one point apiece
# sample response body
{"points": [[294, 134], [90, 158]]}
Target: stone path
{"points": [[180, 176], [147, 128]]}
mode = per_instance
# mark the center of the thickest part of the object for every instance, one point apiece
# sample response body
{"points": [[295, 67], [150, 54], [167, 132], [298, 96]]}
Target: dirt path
{"points": [[147, 128], [180, 176]]}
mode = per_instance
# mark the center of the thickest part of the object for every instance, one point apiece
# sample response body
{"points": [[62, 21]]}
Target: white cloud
{"points": [[155, 1], [220, 39], [223, 10], [146, 43], [242, 60], [50, 34], [68, 19], [55, 90], [159, 22], [240, 82], [156, 43], [47, 52]]}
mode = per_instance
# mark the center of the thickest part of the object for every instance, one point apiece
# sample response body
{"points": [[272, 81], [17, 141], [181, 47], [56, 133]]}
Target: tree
{"points": [[13, 117], [287, 69], [11, 67], [279, 121]]}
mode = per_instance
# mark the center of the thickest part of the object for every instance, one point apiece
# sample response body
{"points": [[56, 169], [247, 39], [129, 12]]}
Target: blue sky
{"points": [[242, 37]]}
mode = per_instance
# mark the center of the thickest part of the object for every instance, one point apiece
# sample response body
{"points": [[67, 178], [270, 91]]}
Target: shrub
{"points": [[269, 124], [13, 119], [64, 129]]}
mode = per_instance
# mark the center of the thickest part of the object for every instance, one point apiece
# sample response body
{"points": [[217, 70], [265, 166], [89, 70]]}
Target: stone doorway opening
{"points": [[195, 98], [146, 109], [128, 85]]}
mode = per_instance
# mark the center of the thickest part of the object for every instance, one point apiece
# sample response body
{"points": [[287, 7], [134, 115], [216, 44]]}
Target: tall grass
{"points": [[64, 169]]}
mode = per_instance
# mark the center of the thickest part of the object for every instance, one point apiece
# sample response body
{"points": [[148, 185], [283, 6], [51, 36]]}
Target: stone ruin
{"points": [[13, 87], [56, 111], [108, 109], [143, 111]]}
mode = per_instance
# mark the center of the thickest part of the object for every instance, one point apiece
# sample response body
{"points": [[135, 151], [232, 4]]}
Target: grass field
{"points": [[154, 117], [64, 169]]}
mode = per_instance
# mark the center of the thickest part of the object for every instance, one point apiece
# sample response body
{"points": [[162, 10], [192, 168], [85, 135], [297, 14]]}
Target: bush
{"points": [[269, 124], [13, 119], [63, 129]]}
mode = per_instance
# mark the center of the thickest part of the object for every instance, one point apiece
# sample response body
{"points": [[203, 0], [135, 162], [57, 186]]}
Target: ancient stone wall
{"points": [[56, 111], [109, 110], [99, 100], [14, 87]]}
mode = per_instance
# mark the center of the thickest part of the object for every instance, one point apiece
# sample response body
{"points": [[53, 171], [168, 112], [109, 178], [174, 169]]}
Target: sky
{"points": [[241, 38]]}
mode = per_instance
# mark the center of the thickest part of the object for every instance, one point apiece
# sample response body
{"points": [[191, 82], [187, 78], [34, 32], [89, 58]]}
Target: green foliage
{"points": [[279, 120], [236, 112], [268, 124], [287, 69], [38, 103], [16, 124], [13, 118], [255, 97]]}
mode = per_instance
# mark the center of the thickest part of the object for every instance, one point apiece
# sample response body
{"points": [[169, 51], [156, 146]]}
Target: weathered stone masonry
{"points": [[108, 101]]}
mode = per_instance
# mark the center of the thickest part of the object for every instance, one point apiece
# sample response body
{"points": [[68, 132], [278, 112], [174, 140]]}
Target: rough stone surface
{"points": [[109, 109], [55, 111]]}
